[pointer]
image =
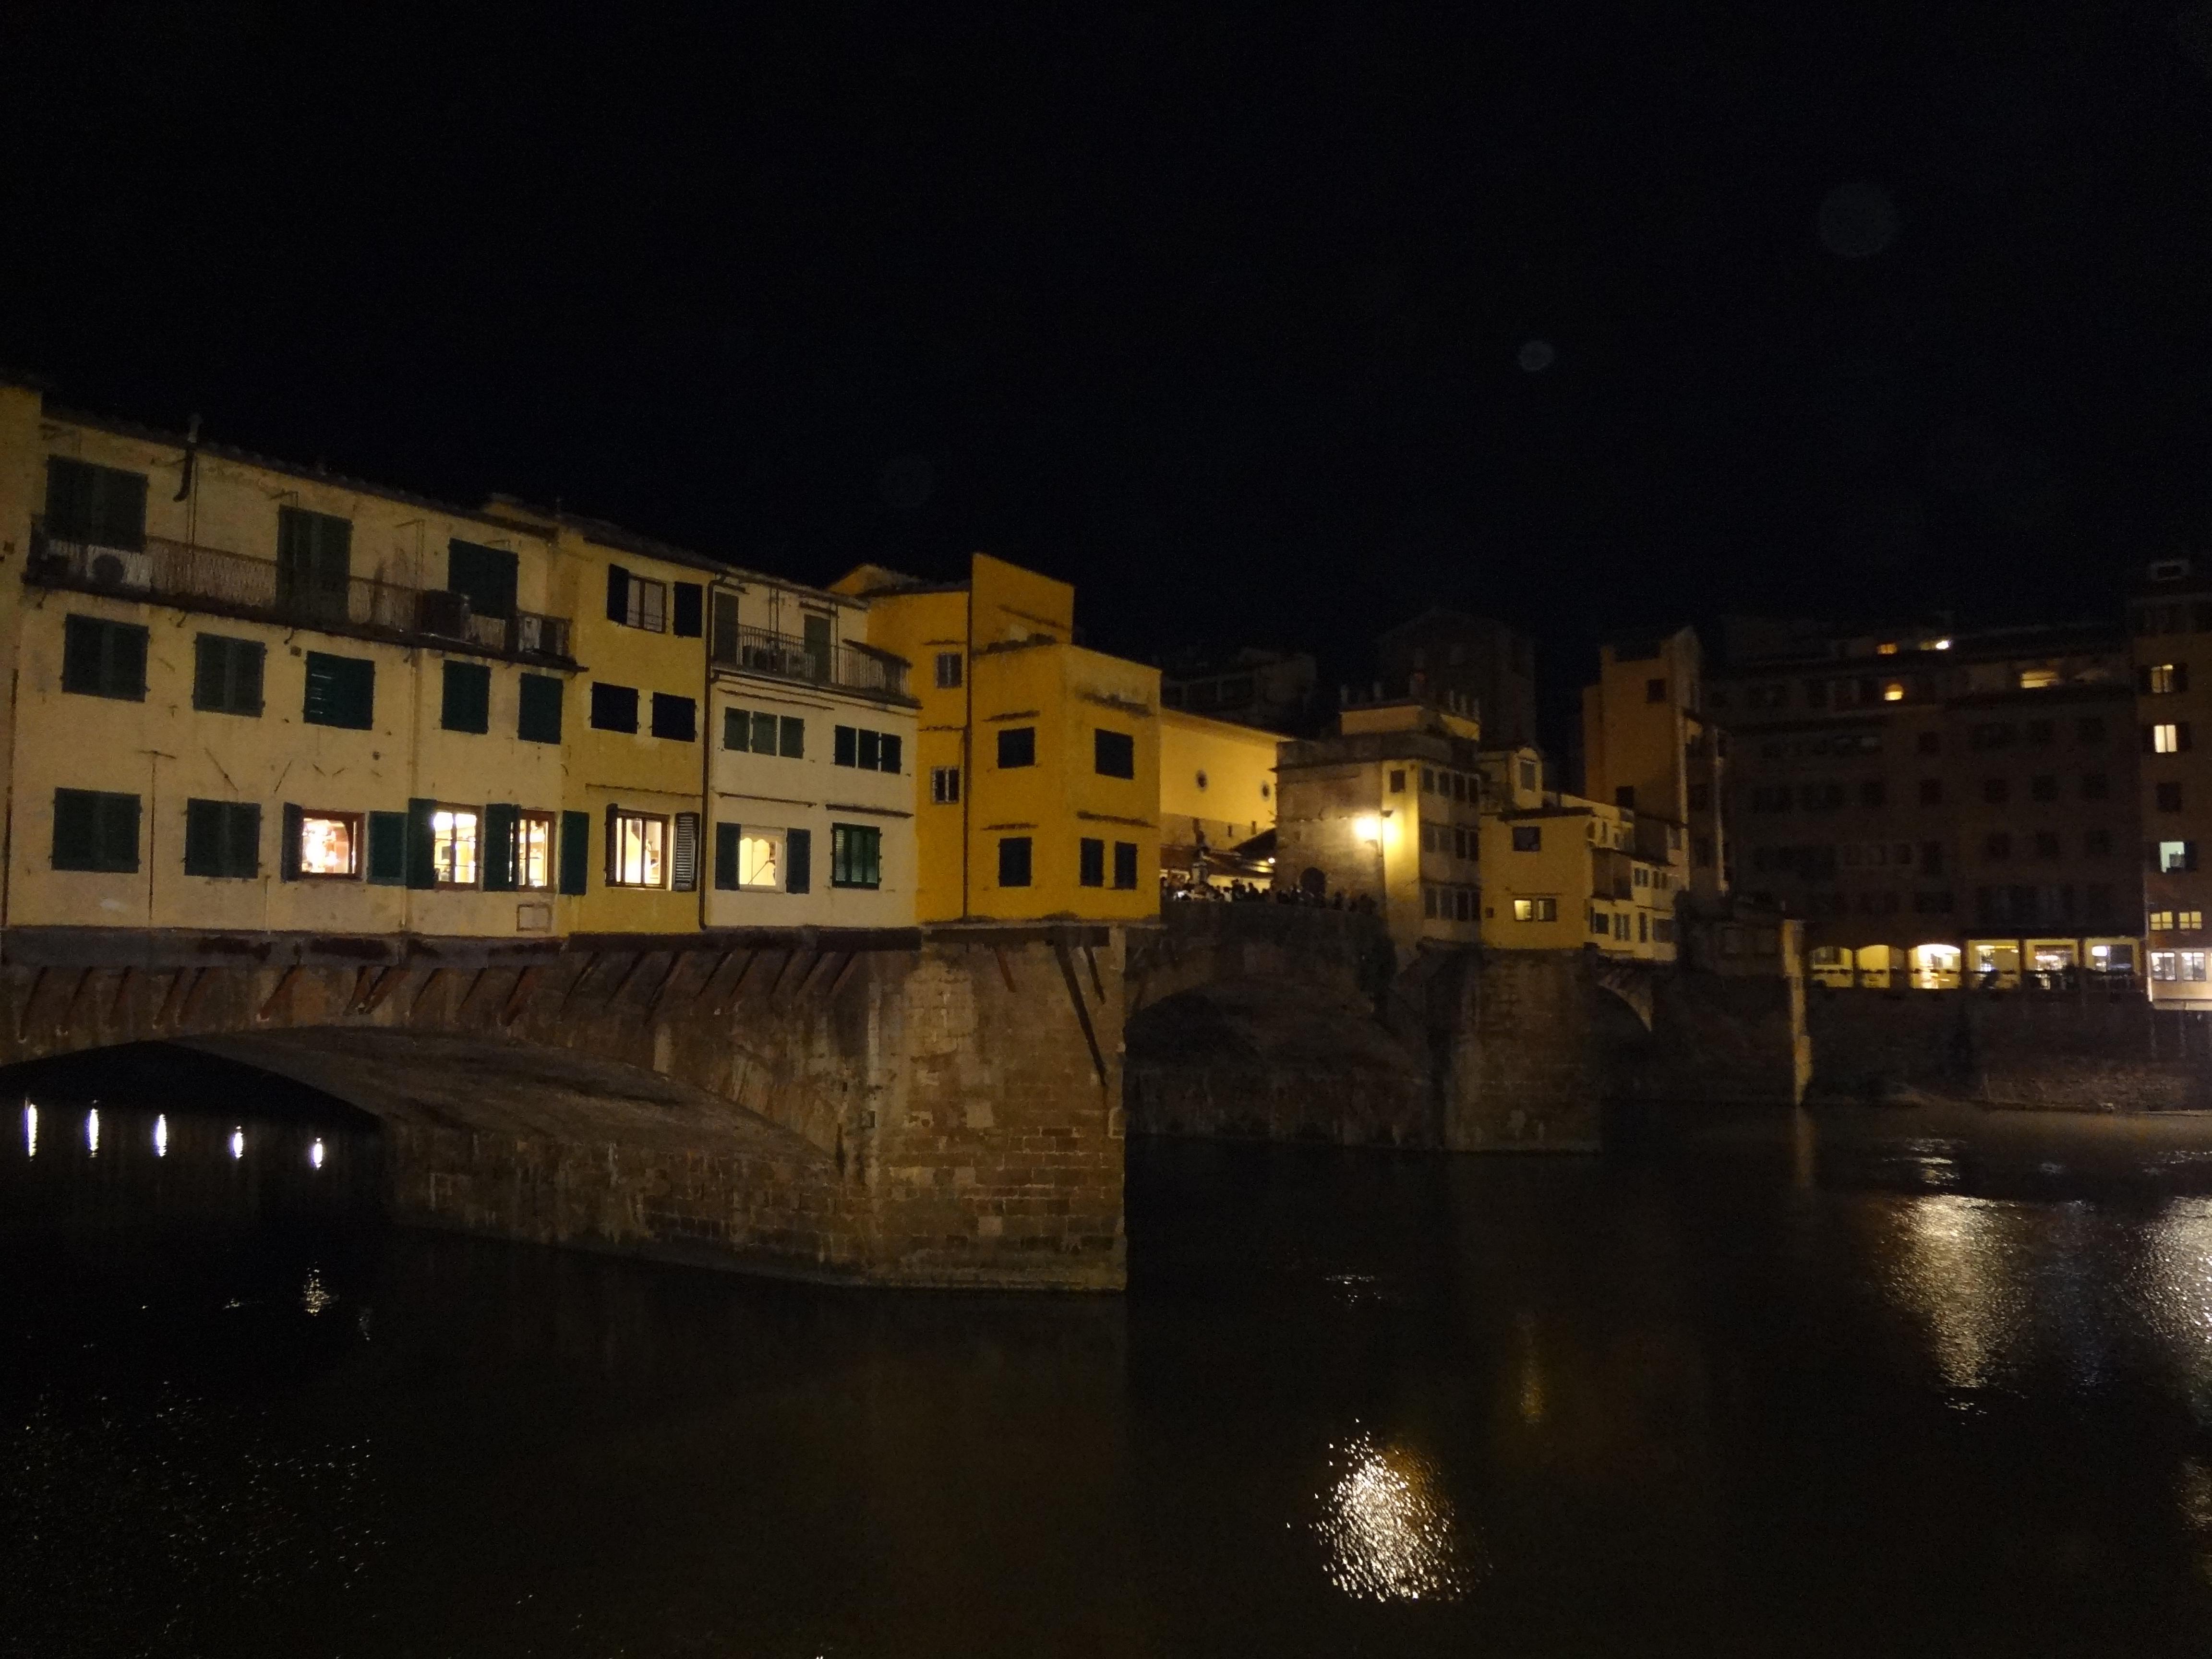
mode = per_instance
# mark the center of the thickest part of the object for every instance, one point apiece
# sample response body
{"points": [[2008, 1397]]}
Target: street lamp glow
{"points": [[92, 1131], [237, 1143], [1368, 827], [30, 1130], [315, 1155], [162, 1136]]}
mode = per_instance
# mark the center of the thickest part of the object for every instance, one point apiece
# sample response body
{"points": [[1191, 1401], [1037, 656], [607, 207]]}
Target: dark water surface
{"points": [[1894, 1383]]}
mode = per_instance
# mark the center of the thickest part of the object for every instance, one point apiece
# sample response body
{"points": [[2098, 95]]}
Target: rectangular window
{"points": [[539, 720], [1655, 690], [2162, 964], [95, 830], [798, 860], [948, 670], [944, 785], [322, 844], [2189, 921], [2162, 921], [1090, 862], [226, 675], [575, 851], [465, 704], [2177, 855], [1528, 838], [675, 718], [340, 691], [1016, 747], [486, 575], [871, 747], [103, 659], [2162, 679], [614, 708], [1125, 866], [223, 838], [314, 555], [529, 852], [637, 849], [2193, 965], [792, 739], [870, 752], [456, 846], [2167, 738], [856, 855], [749, 858], [1013, 860], [1536, 910], [635, 602], [1114, 754], [691, 613], [101, 506]]}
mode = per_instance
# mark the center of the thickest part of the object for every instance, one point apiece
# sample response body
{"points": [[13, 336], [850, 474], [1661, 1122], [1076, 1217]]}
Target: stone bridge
{"points": [[1287, 1022], [933, 1106]]}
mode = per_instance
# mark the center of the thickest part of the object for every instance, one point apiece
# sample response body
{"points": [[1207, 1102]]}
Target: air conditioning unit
{"points": [[112, 567], [443, 612], [530, 634]]}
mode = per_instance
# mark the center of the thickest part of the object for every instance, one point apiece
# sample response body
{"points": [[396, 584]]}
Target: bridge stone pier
{"points": [[918, 1107]]}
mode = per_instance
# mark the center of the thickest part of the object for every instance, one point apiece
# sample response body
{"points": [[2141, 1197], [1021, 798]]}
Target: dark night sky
{"points": [[1223, 312]]}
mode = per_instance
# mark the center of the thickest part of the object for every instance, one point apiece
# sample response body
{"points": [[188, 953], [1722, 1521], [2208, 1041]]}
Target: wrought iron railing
{"points": [[180, 573], [851, 667]]}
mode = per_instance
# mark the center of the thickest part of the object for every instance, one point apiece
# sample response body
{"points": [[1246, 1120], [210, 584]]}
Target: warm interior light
{"points": [[1894, 692], [1940, 644], [1368, 827]]}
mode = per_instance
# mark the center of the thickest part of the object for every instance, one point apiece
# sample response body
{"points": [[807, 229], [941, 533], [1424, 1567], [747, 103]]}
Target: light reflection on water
{"points": [[1387, 1526]]}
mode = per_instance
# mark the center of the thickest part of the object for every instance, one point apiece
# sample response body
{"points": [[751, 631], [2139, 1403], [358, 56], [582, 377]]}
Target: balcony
{"points": [[848, 667], [208, 579]]}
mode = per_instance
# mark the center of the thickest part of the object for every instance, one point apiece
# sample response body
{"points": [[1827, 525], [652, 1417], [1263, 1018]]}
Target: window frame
{"points": [[230, 649], [618, 818], [1016, 747], [945, 786], [1016, 861], [326, 663], [295, 852], [98, 801], [615, 694], [951, 671], [109, 677], [525, 819], [441, 880], [846, 839], [1113, 753], [231, 813]]}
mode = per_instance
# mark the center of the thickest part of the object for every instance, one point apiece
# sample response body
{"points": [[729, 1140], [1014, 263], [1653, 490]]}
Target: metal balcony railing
{"points": [[181, 574], [849, 667]]}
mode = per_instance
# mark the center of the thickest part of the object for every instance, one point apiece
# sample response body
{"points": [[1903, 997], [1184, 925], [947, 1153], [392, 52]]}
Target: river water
{"points": [[1843, 1383]]}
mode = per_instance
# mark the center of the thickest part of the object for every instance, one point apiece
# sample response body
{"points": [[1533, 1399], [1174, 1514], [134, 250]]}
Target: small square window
{"points": [[465, 702], [94, 829], [2189, 921], [226, 675], [1017, 747], [1536, 910], [1528, 838], [944, 785], [537, 718], [1397, 780], [948, 670], [1013, 860], [614, 708], [675, 718], [223, 839], [340, 691], [856, 855], [1114, 754], [1090, 862], [324, 844]]}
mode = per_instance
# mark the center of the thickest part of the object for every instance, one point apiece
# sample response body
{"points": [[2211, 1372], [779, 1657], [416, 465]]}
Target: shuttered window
{"points": [[1114, 754], [465, 705], [1013, 860], [684, 859], [856, 855], [1125, 864], [614, 708], [539, 721], [341, 691], [101, 659], [575, 851], [314, 562], [690, 609], [486, 575], [675, 717], [95, 830], [104, 506], [1090, 862], [226, 674], [726, 857], [1017, 746], [387, 848], [798, 860], [223, 838]]}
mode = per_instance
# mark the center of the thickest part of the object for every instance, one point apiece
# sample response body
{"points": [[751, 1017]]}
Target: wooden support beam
{"points": [[1091, 960], [737, 986], [1006, 968], [519, 998], [423, 994], [823, 964], [203, 979], [845, 973], [386, 983], [23, 1009], [713, 974], [476, 984], [668, 983], [364, 981], [629, 974], [794, 968], [172, 997], [576, 984], [282, 996], [124, 982], [75, 995], [1082, 1011]]}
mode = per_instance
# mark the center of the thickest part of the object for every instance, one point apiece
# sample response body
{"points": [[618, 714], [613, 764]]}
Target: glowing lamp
{"points": [[1368, 827]]}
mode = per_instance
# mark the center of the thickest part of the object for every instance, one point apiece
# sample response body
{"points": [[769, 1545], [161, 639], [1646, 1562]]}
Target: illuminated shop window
{"points": [[456, 845], [1536, 910], [329, 843]]}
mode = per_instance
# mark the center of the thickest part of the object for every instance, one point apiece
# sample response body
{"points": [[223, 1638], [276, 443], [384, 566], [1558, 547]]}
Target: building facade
{"points": [[1448, 657], [2170, 625], [1217, 795], [1274, 691], [1941, 809], [1036, 788], [1647, 747]]}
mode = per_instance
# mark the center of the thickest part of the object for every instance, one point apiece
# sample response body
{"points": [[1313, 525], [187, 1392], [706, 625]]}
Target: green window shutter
{"points": [[287, 852], [499, 846], [117, 841], [794, 737], [736, 729], [466, 703], [204, 837], [725, 643], [690, 609], [340, 691], [226, 674], [683, 855], [127, 663], [540, 718], [575, 851], [891, 761], [315, 558], [798, 862], [95, 830], [387, 847], [421, 845], [618, 593], [70, 486], [763, 740], [242, 839], [846, 750], [103, 659], [119, 509], [725, 856]]}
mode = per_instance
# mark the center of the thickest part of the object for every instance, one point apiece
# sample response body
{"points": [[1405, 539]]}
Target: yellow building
{"points": [[1646, 745], [1571, 872], [1216, 792], [1036, 775]]}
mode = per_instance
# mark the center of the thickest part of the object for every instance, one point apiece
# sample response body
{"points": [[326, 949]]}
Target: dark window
{"points": [[226, 674], [101, 505], [539, 719], [1624, 796], [1701, 797], [1528, 838], [1114, 754], [1931, 791], [1931, 858], [486, 575], [1996, 791], [845, 751], [675, 717], [314, 555], [1125, 864], [1090, 862], [871, 750], [1990, 734], [2169, 798], [341, 691], [1013, 860], [223, 838], [791, 739], [1931, 743], [737, 730], [2095, 785], [1017, 747], [614, 708], [690, 608], [726, 837], [944, 785], [103, 659], [95, 830], [575, 851], [724, 645], [465, 705], [948, 670], [2043, 787], [1871, 792], [387, 848], [798, 860]]}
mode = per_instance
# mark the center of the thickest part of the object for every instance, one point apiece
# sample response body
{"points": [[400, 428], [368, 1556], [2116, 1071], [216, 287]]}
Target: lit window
{"points": [[648, 605], [2160, 680], [330, 844], [532, 851], [2162, 964], [2162, 921], [760, 859], [2174, 855], [2037, 679], [1536, 910], [455, 844], [2166, 738], [2189, 921], [1893, 691], [1887, 648], [1528, 838], [637, 850], [2193, 965]]}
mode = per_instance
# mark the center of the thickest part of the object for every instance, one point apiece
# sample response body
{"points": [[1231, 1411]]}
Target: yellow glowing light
{"points": [[1894, 692], [1887, 648], [1389, 1532], [1940, 644], [1368, 827]]}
